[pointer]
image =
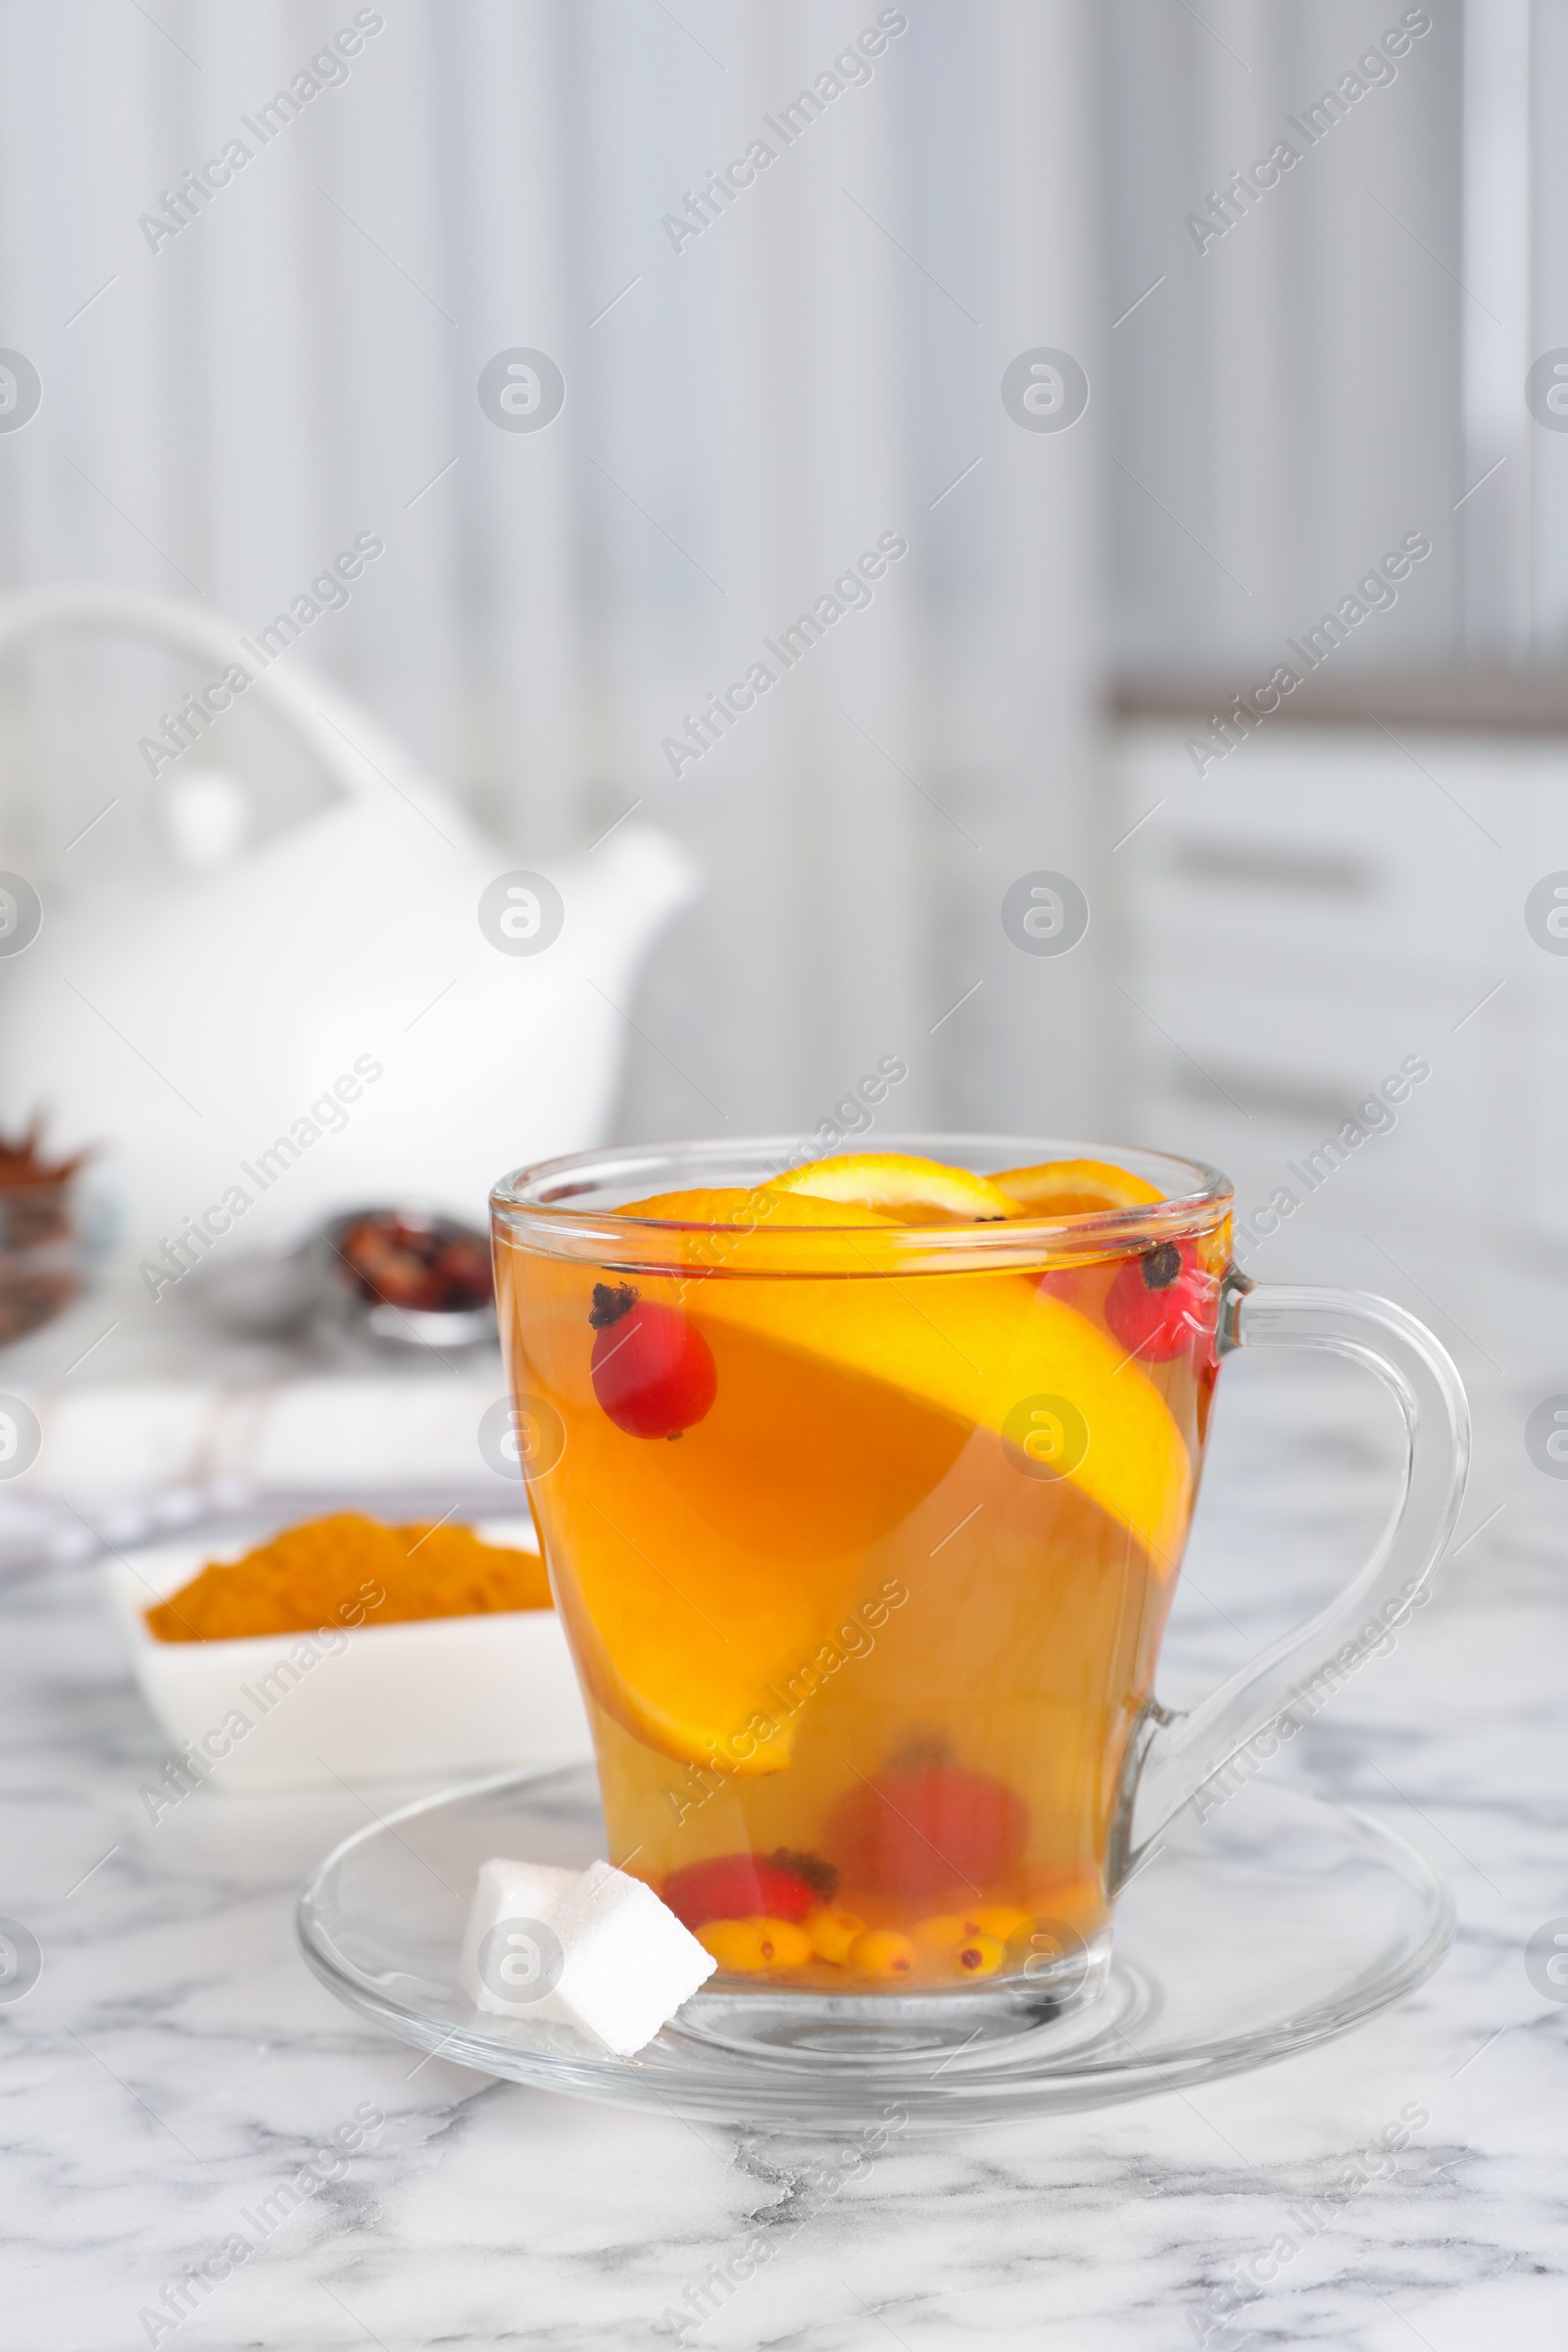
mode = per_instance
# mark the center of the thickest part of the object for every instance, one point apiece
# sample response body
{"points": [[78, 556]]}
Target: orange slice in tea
{"points": [[916, 1192], [694, 1571], [746, 1207], [978, 1347], [1073, 1187], [695, 1578]]}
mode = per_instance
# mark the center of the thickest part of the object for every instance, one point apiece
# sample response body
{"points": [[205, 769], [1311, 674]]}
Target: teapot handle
{"points": [[356, 753]]}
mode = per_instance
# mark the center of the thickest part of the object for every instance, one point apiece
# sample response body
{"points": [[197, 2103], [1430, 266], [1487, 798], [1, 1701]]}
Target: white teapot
{"points": [[276, 1031]]}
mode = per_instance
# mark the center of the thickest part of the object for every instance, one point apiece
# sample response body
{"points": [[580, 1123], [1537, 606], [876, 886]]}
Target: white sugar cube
{"points": [[594, 1950], [627, 1962], [502, 1967]]}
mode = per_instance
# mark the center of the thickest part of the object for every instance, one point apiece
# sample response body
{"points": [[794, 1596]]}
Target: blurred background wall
{"points": [[1287, 378], [744, 415]]}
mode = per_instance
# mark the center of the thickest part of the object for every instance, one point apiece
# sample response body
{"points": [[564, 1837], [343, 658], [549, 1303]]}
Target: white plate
{"points": [[277, 1711]]}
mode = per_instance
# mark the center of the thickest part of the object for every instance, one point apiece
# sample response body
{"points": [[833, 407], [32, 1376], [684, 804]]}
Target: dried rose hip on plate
{"points": [[428, 1268]]}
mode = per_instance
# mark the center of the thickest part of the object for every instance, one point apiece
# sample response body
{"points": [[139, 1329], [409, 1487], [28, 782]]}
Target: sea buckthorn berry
{"points": [[653, 1371], [747, 1945], [1160, 1301], [832, 1932], [1000, 1920], [979, 1956], [883, 1952], [944, 1932], [948, 1929]]}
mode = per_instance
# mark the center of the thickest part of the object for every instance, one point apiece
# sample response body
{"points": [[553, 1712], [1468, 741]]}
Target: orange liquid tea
{"points": [[865, 1570]]}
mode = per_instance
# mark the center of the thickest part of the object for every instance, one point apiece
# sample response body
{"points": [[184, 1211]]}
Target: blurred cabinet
{"points": [[1324, 907]]}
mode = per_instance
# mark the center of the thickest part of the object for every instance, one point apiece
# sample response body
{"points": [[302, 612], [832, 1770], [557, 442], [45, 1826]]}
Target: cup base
{"points": [[892, 2026]]}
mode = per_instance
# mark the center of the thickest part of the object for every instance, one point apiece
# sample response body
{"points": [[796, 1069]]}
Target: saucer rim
{"points": [[716, 2082]]}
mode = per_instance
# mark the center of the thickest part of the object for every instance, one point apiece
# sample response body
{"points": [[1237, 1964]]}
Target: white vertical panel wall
{"points": [[512, 499], [1290, 395], [1024, 571], [300, 364], [1548, 323]]}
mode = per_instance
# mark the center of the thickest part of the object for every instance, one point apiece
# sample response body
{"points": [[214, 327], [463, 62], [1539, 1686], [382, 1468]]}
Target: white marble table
{"points": [[176, 2066]]}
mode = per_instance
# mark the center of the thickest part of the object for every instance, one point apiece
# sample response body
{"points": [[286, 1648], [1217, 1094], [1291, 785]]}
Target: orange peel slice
{"points": [[1073, 1187], [973, 1347], [897, 1184], [743, 1208]]}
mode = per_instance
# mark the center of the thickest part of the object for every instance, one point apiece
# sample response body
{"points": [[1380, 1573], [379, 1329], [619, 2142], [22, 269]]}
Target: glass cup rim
{"points": [[545, 1205]]}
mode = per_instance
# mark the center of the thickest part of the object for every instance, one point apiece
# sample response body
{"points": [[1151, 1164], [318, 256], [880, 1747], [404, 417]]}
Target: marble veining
{"points": [[176, 2082]]}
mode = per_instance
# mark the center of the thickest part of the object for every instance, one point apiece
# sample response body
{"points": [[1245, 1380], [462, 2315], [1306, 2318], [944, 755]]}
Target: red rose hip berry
{"points": [[783, 1886], [921, 1829], [653, 1371], [1160, 1301]]}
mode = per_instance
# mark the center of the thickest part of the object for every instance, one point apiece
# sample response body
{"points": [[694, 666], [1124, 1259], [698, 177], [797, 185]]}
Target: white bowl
{"points": [[439, 1697]]}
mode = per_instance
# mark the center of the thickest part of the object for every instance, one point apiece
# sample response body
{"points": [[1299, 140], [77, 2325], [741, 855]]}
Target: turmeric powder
{"points": [[349, 1570]]}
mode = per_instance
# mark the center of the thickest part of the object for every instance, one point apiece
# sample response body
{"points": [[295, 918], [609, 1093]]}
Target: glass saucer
{"points": [[1282, 1921]]}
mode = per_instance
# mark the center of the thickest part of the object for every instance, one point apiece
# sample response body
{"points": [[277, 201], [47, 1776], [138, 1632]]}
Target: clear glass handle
{"points": [[1176, 1754]]}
